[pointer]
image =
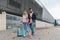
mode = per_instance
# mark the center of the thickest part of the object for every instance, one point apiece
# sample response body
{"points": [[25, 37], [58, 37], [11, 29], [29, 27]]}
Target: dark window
{"points": [[14, 3], [9, 17], [14, 18]]}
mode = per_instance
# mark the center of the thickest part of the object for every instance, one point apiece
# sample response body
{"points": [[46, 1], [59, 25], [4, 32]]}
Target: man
{"points": [[32, 21]]}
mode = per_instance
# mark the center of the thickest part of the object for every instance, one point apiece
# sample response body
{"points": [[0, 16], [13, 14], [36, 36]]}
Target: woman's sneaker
{"points": [[24, 35]]}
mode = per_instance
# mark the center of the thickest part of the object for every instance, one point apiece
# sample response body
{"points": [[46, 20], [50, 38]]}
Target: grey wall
{"points": [[4, 4], [47, 16]]}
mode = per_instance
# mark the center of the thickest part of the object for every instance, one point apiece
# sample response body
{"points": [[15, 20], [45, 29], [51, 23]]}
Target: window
{"points": [[9, 17], [14, 18], [14, 3]]}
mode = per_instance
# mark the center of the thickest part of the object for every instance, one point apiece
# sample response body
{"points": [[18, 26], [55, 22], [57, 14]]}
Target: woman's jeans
{"points": [[25, 24], [32, 27]]}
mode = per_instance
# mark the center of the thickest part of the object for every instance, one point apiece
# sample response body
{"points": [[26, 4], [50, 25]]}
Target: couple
{"points": [[29, 20]]}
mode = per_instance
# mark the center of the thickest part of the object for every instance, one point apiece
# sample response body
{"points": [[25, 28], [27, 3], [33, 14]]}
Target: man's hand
{"points": [[30, 17]]}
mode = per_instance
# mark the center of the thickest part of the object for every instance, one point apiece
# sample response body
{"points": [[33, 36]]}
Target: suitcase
{"points": [[20, 31]]}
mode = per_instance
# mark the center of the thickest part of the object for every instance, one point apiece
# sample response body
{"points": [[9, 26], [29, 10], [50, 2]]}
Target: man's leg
{"points": [[32, 27]]}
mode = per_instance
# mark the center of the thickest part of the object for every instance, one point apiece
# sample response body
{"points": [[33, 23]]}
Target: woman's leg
{"points": [[24, 28]]}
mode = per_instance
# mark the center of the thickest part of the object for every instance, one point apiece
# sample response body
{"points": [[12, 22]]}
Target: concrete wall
{"points": [[40, 24], [3, 21]]}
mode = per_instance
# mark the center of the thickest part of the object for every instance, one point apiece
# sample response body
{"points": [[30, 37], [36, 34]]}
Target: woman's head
{"points": [[25, 12]]}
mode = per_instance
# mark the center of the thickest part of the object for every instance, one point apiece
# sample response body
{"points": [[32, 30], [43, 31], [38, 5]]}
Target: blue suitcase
{"points": [[20, 32]]}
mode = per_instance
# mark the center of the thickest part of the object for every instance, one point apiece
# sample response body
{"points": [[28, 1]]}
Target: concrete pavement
{"points": [[43, 34]]}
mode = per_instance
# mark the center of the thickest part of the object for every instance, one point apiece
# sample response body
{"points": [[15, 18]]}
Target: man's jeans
{"points": [[32, 27]]}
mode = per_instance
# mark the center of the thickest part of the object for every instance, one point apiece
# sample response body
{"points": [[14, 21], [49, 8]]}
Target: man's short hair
{"points": [[30, 8]]}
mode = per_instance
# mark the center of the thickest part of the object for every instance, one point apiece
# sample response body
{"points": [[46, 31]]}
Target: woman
{"points": [[25, 22]]}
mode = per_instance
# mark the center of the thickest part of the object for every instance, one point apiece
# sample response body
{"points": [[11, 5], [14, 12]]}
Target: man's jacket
{"points": [[33, 17]]}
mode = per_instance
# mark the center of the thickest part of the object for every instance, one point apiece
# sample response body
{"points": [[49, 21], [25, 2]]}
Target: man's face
{"points": [[30, 10]]}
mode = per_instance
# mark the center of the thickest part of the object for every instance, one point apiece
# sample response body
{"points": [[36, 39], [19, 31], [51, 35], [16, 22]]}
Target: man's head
{"points": [[30, 10]]}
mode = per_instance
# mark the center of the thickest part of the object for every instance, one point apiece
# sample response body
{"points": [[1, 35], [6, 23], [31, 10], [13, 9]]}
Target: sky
{"points": [[53, 6]]}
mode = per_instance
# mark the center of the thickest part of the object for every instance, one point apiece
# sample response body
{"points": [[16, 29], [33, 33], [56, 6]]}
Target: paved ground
{"points": [[43, 34]]}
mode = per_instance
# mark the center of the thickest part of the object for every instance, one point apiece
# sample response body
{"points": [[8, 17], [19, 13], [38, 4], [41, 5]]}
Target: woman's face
{"points": [[24, 12]]}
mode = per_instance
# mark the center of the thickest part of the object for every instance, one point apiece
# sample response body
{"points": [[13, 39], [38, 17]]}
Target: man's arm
{"points": [[28, 16], [34, 16]]}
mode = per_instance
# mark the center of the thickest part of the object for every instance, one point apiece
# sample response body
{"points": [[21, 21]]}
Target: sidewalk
{"points": [[43, 34]]}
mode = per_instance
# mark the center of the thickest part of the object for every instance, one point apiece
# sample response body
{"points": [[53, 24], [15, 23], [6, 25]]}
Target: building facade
{"points": [[16, 7]]}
